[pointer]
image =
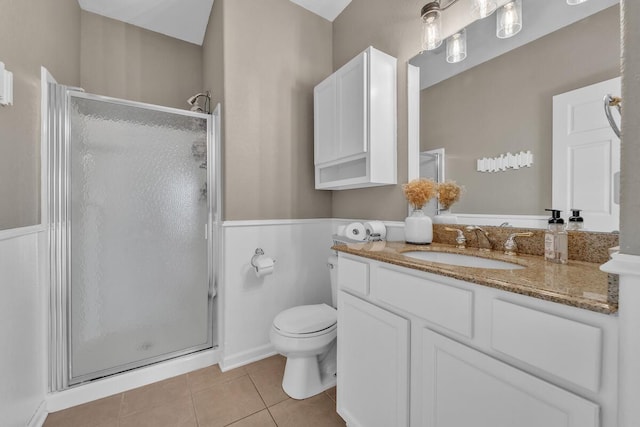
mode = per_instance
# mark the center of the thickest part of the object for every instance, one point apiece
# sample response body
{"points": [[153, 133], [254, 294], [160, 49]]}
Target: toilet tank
{"points": [[332, 264]]}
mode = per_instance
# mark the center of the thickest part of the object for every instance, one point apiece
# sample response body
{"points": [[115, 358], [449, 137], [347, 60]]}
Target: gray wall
{"points": [[32, 33], [274, 53], [101, 55], [124, 61], [505, 105], [393, 27], [213, 54]]}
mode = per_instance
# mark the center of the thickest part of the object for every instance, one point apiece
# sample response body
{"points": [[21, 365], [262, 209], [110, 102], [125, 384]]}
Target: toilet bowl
{"points": [[306, 336]]}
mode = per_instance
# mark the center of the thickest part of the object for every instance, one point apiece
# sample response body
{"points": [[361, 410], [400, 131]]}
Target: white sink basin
{"points": [[462, 260]]}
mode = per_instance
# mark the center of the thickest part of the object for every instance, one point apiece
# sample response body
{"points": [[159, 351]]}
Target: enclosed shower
{"points": [[131, 201]]}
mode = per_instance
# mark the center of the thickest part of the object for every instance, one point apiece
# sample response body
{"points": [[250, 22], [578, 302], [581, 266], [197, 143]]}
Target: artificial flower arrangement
{"points": [[448, 193], [419, 191]]}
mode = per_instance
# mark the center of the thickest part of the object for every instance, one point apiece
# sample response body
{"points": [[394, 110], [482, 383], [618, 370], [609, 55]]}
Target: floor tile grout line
{"points": [[271, 415], [258, 391], [217, 383], [263, 401], [193, 403], [120, 407], [157, 405]]}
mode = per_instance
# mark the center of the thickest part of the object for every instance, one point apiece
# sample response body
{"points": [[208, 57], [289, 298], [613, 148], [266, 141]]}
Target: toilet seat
{"points": [[306, 321]]}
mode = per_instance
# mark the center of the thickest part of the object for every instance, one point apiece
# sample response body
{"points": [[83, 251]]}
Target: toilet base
{"points": [[307, 376]]}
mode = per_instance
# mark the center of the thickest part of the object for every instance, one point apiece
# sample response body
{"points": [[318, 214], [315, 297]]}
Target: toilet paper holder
{"points": [[259, 252]]}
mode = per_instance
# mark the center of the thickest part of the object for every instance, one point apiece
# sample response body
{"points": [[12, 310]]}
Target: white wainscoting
{"points": [[248, 306], [22, 329], [301, 276]]}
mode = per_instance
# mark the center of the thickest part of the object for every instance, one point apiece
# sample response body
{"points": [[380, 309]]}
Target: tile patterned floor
{"points": [[250, 396]]}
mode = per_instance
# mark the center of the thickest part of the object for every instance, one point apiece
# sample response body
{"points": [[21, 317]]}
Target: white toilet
{"points": [[306, 336]]}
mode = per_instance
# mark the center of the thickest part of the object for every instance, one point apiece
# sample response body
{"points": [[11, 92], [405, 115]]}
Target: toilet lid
{"points": [[306, 319]]}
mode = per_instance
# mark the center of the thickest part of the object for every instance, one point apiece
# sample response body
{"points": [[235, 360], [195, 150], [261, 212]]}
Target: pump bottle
{"points": [[555, 239], [576, 222]]}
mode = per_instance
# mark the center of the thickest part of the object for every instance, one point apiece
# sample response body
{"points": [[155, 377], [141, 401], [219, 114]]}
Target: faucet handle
{"points": [[460, 239], [510, 245]]}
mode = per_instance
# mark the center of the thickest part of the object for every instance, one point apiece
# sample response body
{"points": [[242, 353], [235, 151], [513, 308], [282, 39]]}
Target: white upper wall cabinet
{"points": [[355, 124]]}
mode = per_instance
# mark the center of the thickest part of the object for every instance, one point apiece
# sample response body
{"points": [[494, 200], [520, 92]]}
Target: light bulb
{"points": [[431, 31], [457, 47], [509, 20], [483, 8]]}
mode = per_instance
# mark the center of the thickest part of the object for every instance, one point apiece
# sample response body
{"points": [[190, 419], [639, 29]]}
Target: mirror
{"points": [[499, 100]]}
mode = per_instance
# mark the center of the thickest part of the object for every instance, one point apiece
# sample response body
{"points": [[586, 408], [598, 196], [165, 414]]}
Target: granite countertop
{"points": [[578, 283]]}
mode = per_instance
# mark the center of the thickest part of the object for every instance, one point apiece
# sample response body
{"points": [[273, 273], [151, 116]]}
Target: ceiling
{"points": [[185, 19], [328, 9]]}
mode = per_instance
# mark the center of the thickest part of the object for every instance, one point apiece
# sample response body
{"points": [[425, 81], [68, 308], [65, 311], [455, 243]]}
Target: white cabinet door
{"points": [[464, 387], [586, 155], [373, 365], [324, 112], [351, 90]]}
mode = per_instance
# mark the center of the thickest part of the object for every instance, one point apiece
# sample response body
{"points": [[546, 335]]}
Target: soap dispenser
{"points": [[576, 222], [555, 239]]}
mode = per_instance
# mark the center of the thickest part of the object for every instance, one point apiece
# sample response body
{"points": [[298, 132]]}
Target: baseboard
{"points": [[129, 380], [244, 358], [39, 417]]}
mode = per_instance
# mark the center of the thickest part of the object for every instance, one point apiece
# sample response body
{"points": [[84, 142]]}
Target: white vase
{"points": [[445, 217], [418, 228]]}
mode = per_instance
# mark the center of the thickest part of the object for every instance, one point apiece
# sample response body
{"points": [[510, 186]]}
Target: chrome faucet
{"points": [[510, 245], [460, 239], [484, 233]]}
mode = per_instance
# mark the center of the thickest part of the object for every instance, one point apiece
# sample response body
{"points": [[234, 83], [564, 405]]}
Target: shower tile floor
{"points": [[250, 396]]}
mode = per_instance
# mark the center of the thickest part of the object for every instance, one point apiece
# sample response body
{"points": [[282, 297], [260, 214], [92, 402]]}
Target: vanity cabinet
{"points": [[355, 124], [374, 364], [420, 349]]}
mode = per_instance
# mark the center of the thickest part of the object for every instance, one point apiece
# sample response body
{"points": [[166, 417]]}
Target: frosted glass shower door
{"points": [[139, 214]]}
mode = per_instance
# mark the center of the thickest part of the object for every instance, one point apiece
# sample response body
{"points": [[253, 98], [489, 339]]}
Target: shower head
{"points": [[194, 98], [193, 101]]}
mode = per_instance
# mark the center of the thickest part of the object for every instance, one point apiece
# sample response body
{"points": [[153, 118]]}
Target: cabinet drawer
{"points": [[443, 305], [562, 347], [353, 275]]}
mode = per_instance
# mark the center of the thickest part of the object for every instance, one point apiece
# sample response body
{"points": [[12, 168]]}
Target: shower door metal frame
{"points": [[58, 201]]}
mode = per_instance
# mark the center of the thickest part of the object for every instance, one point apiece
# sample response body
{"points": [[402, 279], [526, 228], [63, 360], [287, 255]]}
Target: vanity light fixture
{"points": [[575, 2], [509, 22], [457, 47], [431, 26]]}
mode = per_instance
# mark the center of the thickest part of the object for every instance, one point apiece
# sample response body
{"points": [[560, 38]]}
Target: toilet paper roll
{"points": [[373, 227], [341, 230], [356, 231], [264, 265]]}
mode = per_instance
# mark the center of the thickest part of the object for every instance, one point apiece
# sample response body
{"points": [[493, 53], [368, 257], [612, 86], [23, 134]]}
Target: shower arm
{"points": [[613, 101], [193, 101]]}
